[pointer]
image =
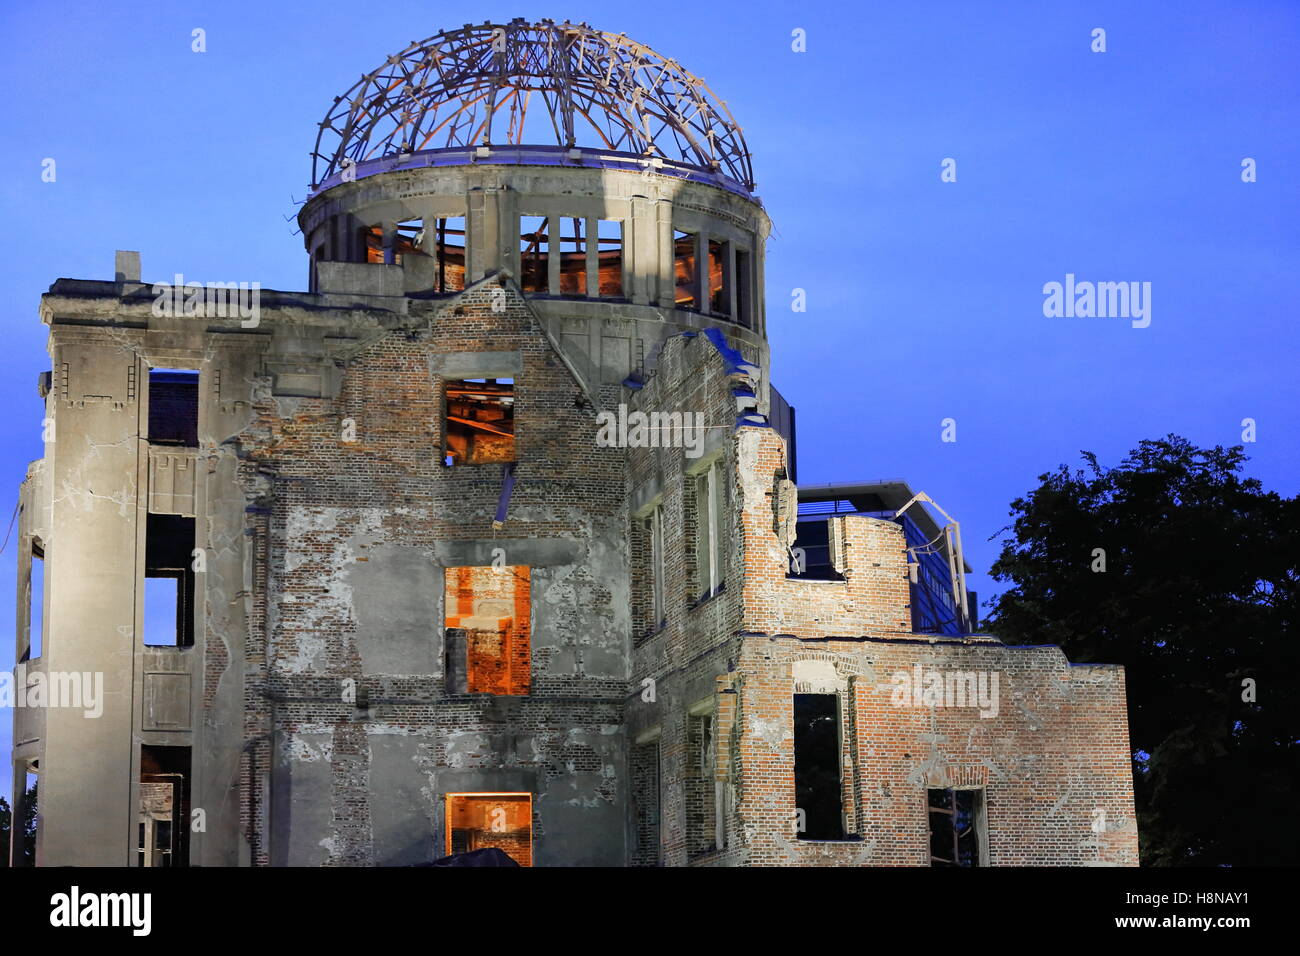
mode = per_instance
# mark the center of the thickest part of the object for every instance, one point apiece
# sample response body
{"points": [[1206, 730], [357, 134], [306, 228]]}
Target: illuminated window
{"points": [[480, 421], [163, 834], [406, 241], [476, 821], [610, 257], [684, 257], [487, 613], [534, 251], [448, 244], [573, 256], [719, 297], [371, 240]]}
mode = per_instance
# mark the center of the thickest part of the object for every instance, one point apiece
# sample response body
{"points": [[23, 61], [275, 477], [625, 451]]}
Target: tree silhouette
{"points": [[29, 826], [1178, 567], [6, 824]]}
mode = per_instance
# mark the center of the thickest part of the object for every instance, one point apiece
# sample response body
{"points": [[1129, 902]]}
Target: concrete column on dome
{"points": [[666, 285], [507, 244], [641, 250], [729, 281], [591, 226], [389, 228], [553, 254], [702, 272]]}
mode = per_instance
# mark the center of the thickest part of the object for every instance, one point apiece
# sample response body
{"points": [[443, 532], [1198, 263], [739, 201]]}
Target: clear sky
{"points": [[924, 298]]}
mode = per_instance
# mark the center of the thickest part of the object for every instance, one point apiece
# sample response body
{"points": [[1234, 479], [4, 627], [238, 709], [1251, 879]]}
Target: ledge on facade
{"points": [[970, 640]]}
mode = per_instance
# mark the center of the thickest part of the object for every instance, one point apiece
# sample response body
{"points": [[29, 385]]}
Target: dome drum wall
{"points": [[605, 255]]}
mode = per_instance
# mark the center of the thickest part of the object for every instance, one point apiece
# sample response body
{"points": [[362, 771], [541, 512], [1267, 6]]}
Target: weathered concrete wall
{"points": [[606, 339], [91, 561], [360, 534]]}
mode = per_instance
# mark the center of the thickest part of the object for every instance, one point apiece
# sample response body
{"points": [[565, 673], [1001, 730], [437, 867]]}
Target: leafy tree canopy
{"points": [[1177, 566]]}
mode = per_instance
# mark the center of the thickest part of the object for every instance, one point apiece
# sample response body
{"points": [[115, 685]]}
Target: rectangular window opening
{"points": [[744, 285], [684, 269], [817, 781], [169, 581], [480, 421], [449, 251], [646, 802], [811, 560], [610, 258], [35, 603], [534, 250], [701, 786], [370, 239], [573, 256], [174, 406], [709, 500], [164, 811], [478, 821], [487, 615], [955, 824], [407, 239], [719, 294]]}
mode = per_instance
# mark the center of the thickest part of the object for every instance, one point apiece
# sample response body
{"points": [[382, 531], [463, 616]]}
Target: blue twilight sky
{"points": [[924, 298]]}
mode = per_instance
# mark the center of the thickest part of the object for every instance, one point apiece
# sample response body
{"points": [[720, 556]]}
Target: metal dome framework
{"points": [[460, 88]]}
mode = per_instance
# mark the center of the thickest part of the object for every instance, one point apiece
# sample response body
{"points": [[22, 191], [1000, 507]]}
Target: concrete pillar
{"points": [[508, 230], [641, 249], [666, 281], [390, 242], [553, 254], [485, 238], [92, 587], [592, 227], [729, 281], [702, 271]]}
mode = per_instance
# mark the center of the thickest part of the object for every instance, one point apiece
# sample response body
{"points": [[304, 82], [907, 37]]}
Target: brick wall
{"points": [[1051, 758], [329, 505]]}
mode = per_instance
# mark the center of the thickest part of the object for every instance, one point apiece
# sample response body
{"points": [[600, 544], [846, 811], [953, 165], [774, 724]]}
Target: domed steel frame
{"points": [[447, 92]]}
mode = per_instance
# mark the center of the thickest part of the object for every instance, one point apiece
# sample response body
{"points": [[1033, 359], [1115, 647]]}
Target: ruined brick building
{"points": [[491, 537]]}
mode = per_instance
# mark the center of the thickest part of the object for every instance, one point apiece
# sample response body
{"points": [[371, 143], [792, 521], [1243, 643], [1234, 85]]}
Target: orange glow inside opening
{"points": [[502, 820], [493, 606]]}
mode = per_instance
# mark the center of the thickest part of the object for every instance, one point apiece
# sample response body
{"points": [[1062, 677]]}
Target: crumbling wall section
{"points": [[680, 669], [1045, 742], [361, 519]]}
